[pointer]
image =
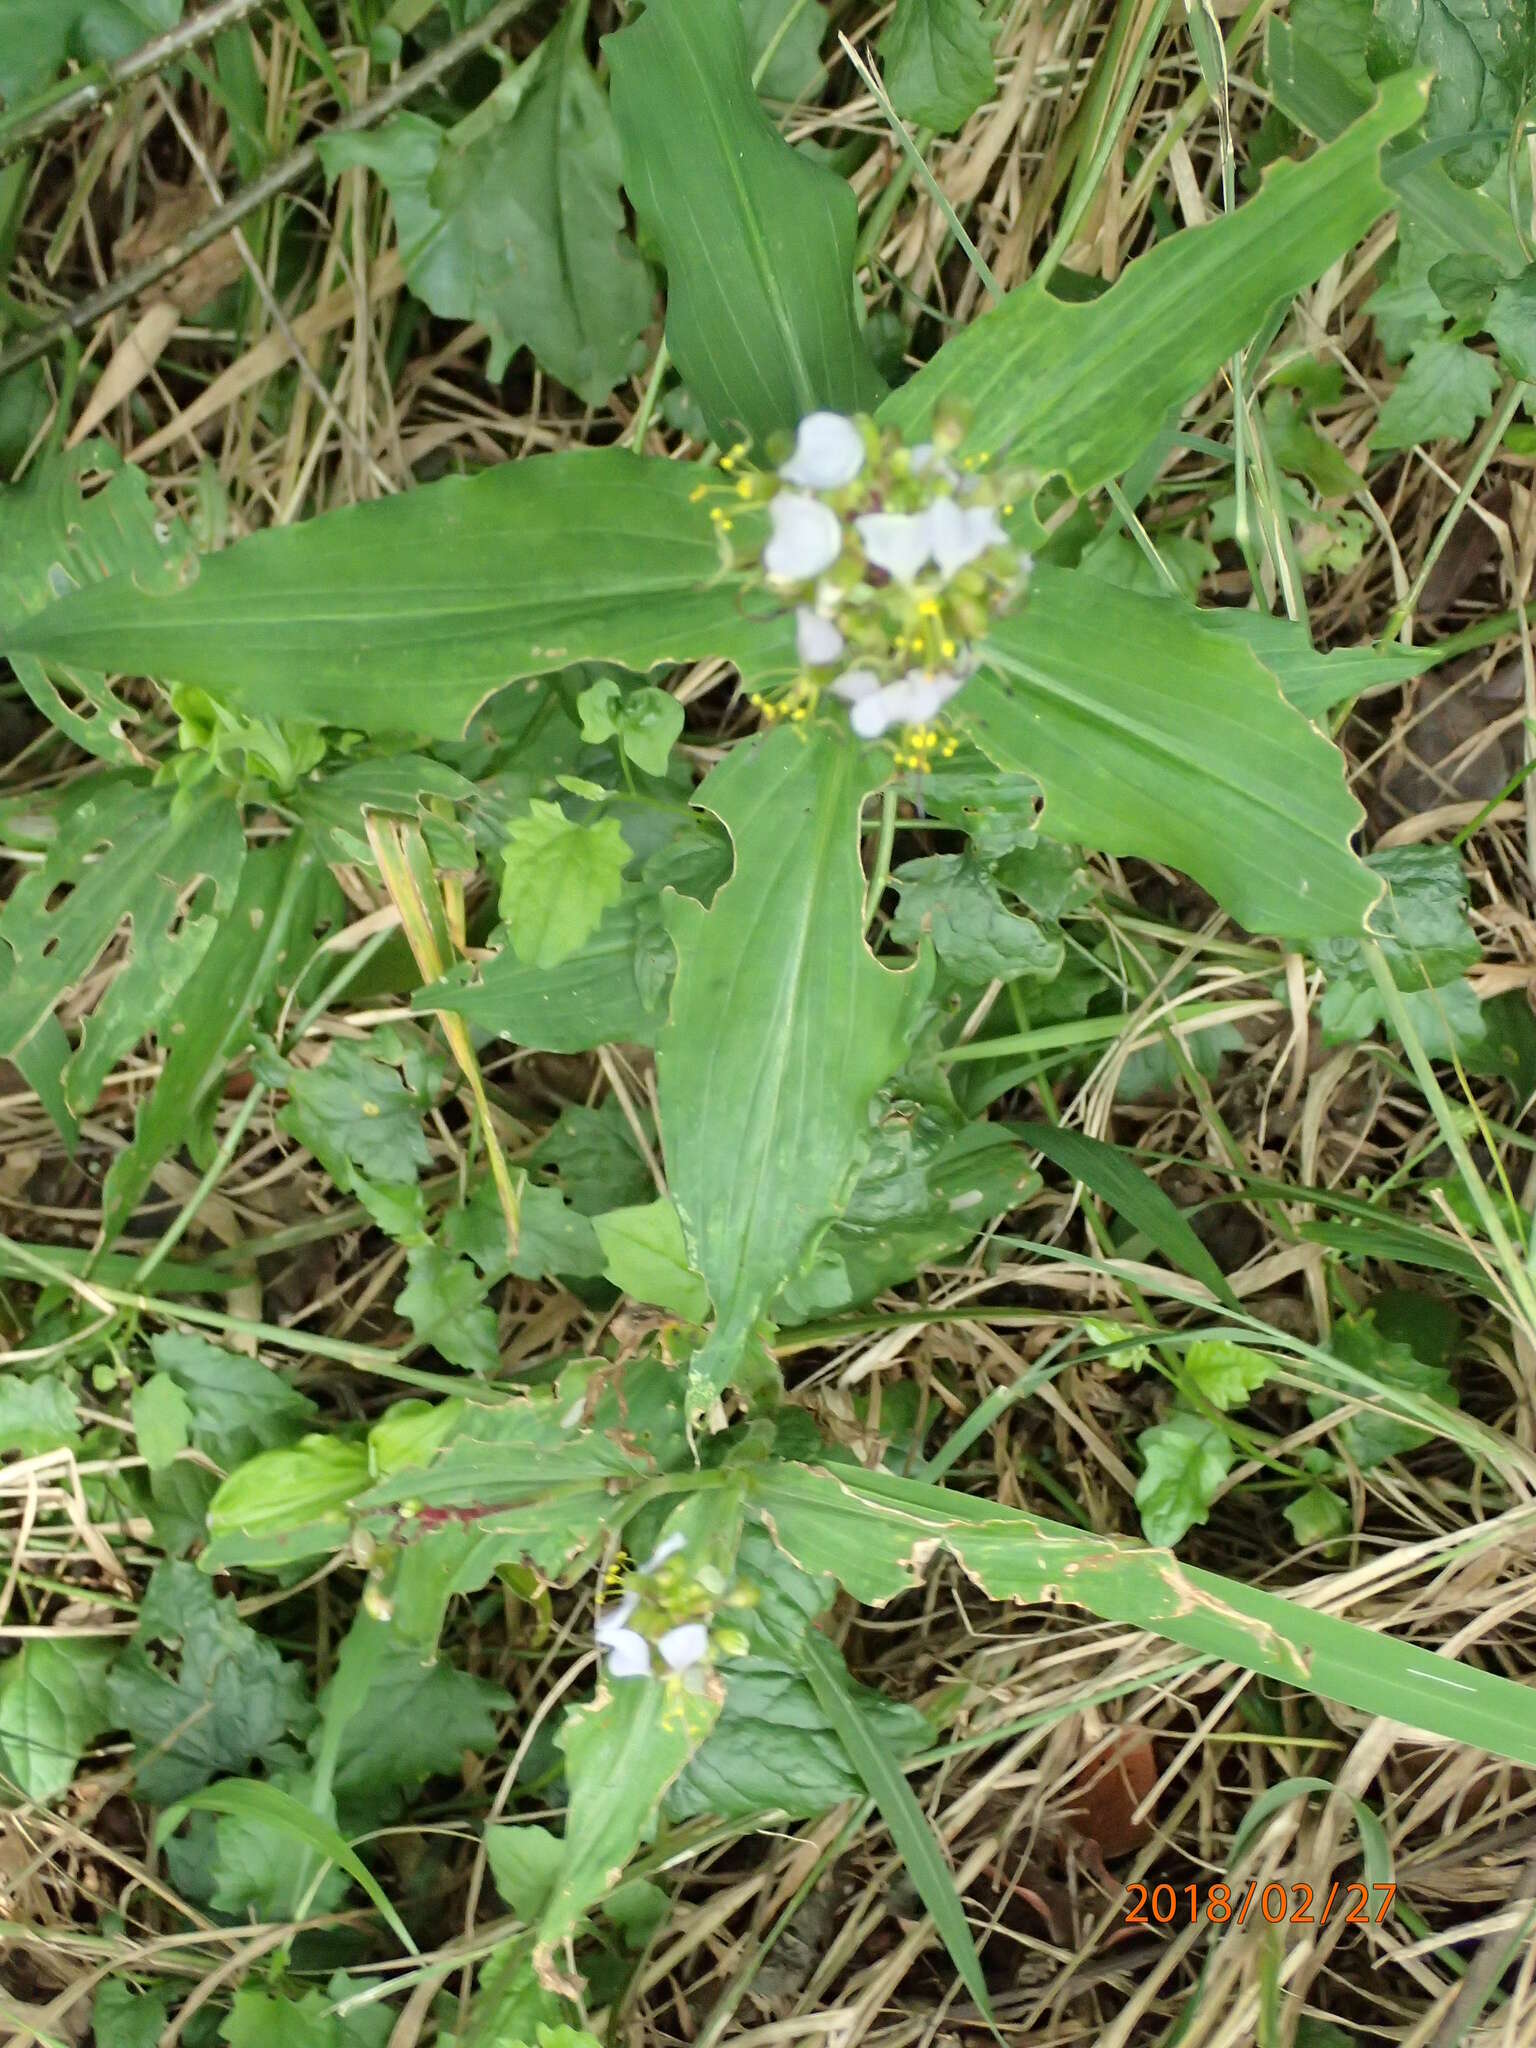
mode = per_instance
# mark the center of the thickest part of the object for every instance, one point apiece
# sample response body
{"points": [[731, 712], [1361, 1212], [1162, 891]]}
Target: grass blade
{"points": [[887, 1785]]}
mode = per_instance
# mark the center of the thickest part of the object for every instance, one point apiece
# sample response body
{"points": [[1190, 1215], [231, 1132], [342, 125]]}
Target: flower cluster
{"points": [[662, 1623], [895, 559]]}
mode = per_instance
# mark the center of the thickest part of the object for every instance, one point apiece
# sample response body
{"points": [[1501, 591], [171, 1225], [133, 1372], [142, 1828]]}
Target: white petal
{"points": [[807, 538], [829, 452], [668, 1548], [959, 533], [856, 683], [945, 687], [612, 1622], [683, 1647], [872, 716], [817, 640], [914, 700], [897, 542], [629, 1656], [921, 457]]}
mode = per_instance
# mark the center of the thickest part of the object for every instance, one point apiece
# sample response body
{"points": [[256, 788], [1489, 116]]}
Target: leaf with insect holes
{"points": [[1184, 1461], [937, 60], [53, 1705], [124, 855], [513, 218], [762, 319], [200, 1692], [1483, 56], [1083, 388], [875, 1533], [1442, 394], [558, 879], [405, 614], [1151, 736], [782, 1028], [55, 538], [279, 915]]}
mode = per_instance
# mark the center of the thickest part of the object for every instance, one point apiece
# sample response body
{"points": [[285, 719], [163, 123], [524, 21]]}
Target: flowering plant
{"points": [[896, 560], [895, 578]]}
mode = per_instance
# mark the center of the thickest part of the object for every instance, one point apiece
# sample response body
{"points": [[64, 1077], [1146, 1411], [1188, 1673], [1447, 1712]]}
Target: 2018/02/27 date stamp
{"points": [[1164, 1904]]}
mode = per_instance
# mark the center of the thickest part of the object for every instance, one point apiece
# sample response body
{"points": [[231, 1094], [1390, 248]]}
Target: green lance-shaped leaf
{"points": [[262, 942], [54, 539], [782, 1028], [1151, 736], [621, 1754], [402, 616], [886, 1783], [757, 239], [1117, 1179], [1082, 388], [877, 1534]]}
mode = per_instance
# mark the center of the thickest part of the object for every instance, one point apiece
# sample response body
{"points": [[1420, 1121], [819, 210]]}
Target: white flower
{"points": [[829, 452], [898, 542], [855, 683], [685, 1646], [957, 534], [873, 716], [669, 1547], [912, 700], [628, 1653], [807, 538], [817, 640]]}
